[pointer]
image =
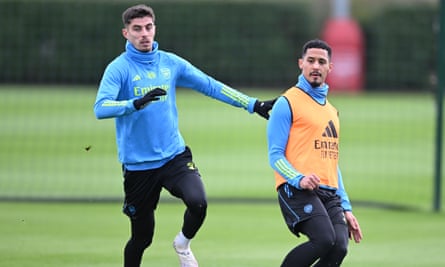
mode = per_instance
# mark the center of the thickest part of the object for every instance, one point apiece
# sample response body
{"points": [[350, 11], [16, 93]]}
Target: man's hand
{"points": [[354, 228], [310, 182], [263, 107], [153, 95]]}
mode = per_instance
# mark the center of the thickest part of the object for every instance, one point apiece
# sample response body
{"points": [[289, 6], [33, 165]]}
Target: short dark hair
{"points": [[317, 43], [137, 11]]}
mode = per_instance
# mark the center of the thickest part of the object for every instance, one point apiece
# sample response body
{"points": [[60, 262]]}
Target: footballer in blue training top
{"points": [[138, 89]]}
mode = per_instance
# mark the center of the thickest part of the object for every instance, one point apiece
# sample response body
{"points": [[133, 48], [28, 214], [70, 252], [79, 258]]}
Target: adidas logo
{"points": [[330, 130], [136, 78]]}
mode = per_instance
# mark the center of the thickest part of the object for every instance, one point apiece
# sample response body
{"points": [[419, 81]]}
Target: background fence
{"points": [[241, 42], [388, 129]]}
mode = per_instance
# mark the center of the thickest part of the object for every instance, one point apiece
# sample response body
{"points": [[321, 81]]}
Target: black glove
{"points": [[263, 107], [153, 95]]}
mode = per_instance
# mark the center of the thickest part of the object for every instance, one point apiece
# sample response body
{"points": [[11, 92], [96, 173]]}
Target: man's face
{"points": [[315, 66], [141, 33]]}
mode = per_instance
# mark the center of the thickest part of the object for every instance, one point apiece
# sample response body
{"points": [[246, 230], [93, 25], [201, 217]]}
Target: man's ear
{"points": [[124, 32]]}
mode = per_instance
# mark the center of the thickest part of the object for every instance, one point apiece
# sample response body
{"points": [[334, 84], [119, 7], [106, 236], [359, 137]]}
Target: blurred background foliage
{"points": [[244, 43]]}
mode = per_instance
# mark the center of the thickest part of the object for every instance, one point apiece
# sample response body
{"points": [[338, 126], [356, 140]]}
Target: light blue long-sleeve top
{"points": [[278, 128], [150, 137]]}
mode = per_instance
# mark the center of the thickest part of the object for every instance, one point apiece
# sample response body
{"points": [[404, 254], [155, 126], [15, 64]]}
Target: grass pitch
{"points": [[386, 157], [52, 146], [238, 235]]}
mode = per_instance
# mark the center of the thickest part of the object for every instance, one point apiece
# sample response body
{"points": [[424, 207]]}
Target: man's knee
{"points": [[197, 207], [340, 251], [139, 243], [325, 242], [342, 240]]}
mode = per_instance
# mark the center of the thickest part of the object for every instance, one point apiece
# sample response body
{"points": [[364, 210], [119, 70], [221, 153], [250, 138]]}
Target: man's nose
{"points": [[145, 32]]}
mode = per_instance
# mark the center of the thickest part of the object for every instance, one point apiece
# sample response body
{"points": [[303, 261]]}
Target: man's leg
{"points": [[338, 252], [142, 191], [184, 182], [141, 237], [304, 213], [321, 236], [191, 191]]}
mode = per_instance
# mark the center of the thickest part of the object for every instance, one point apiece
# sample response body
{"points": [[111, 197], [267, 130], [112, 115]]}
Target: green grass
{"points": [[240, 235], [387, 148], [386, 157]]}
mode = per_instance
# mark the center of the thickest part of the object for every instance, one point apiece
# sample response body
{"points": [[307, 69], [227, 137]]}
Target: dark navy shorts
{"points": [[143, 188], [300, 205]]}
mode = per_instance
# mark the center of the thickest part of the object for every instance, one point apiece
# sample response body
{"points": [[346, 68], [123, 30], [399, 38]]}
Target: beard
{"points": [[315, 81], [315, 84]]}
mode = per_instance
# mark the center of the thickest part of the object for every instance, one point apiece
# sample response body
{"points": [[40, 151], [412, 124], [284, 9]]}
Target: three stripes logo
{"points": [[328, 148], [330, 130]]}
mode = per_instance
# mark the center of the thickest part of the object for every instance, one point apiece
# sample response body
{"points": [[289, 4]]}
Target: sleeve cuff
{"points": [[251, 104]]}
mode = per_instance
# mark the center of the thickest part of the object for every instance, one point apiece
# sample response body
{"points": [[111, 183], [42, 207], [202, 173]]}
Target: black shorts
{"points": [[143, 188], [300, 205]]}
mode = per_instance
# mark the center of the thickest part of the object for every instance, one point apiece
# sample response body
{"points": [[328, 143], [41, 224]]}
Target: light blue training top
{"points": [[150, 137]]}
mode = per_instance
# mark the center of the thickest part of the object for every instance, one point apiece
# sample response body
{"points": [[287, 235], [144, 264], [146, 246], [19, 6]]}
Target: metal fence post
{"points": [[439, 123]]}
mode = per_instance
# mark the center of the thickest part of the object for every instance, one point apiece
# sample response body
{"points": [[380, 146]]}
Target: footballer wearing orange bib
{"points": [[303, 135]]}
